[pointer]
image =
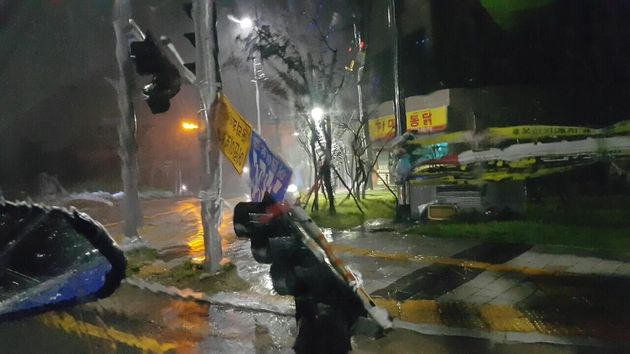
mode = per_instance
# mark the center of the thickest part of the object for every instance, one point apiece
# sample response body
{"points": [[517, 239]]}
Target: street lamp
{"points": [[189, 125], [317, 114], [246, 23]]}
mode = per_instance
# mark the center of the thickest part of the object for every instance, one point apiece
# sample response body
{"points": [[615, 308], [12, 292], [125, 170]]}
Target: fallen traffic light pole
{"points": [[329, 297]]}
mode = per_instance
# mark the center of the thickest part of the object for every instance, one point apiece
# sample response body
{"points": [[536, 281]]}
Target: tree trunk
{"points": [[315, 175], [365, 142], [128, 147], [326, 168], [363, 135], [208, 82]]}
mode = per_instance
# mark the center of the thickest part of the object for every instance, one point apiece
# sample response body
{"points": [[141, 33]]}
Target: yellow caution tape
{"points": [[521, 132], [536, 132]]}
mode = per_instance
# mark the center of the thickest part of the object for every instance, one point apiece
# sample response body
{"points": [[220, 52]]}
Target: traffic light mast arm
{"points": [[183, 70], [135, 29]]}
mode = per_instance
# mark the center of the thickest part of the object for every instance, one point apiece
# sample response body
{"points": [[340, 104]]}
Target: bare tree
{"points": [[314, 80]]}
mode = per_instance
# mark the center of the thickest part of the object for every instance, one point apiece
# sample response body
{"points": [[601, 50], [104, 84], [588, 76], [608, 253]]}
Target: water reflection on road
{"points": [[135, 320]]}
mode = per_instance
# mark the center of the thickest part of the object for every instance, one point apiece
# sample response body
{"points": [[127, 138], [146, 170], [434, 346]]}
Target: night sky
{"points": [[564, 59], [59, 114]]}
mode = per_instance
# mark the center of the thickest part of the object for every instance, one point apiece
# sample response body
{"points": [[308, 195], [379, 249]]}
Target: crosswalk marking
{"points": [[400, 256], [494, 317]]}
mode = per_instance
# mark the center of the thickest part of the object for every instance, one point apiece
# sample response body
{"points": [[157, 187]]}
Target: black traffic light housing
{"points": [[326, 307], [190, 36], [166, 82]]}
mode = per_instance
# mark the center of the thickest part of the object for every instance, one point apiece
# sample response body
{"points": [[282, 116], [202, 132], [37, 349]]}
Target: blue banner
{"points": [[267, 172]]}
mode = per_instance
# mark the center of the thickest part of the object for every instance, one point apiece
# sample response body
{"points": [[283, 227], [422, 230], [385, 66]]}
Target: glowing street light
{"points": [[317, 114], [189, 126], [245, 22]]}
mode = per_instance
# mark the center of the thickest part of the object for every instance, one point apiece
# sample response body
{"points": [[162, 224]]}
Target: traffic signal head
{"points": [[260, 222], [166, 82], [298, 268]]}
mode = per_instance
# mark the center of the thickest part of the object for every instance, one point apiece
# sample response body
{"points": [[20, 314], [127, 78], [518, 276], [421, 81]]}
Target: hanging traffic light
{"points": [[190, 36], [166, 82], [303, 266]]}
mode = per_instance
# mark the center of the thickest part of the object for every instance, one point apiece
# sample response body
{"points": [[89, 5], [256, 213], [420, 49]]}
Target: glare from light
{"points": [[317, 114], [296, 134], [246, 23], [184, 188], [189, 126], [245, 169], [292, 188]]}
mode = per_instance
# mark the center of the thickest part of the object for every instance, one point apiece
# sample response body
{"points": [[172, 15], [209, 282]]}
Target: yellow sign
{"points": [[382, 128], [234, 132], [428, 120]]}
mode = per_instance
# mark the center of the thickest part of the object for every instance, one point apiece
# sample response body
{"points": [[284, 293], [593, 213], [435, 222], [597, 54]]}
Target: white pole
{"points": [[257, 97], [208, 83]]}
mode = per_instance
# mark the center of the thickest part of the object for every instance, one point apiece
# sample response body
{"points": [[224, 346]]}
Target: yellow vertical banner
{"points": [[429, 120], [382, 128], [234, 133]]}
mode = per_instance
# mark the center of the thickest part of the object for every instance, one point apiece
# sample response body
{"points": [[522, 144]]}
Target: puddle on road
{"points": [[588, 305], [191, 237], [243, 332], [256, 274]]}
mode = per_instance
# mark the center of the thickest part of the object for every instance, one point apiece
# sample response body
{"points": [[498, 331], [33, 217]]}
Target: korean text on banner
{"points": [[428, 120], [382, 128], [267, 172], [234, 133]]}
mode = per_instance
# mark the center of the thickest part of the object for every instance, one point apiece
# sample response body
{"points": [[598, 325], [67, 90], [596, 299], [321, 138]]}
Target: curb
{"points": [[501, 336]]}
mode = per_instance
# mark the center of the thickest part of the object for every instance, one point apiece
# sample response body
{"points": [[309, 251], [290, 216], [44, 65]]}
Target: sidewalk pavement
{"points": [[454, 287]]}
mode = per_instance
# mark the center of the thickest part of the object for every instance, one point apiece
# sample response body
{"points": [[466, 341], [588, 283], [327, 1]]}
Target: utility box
{"points": [[504, 195], [493, 195]]}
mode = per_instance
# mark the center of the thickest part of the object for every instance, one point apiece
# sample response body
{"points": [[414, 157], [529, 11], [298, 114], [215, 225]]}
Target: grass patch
{"points": [[599, 224], [137, 259], [378, 203], [187, 275]]}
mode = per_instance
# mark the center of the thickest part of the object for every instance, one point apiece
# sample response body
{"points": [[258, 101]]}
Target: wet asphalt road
{"points": [[409, 274], [155, 323]]}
